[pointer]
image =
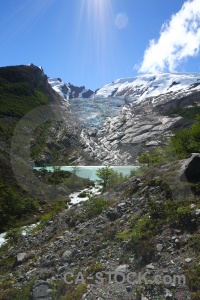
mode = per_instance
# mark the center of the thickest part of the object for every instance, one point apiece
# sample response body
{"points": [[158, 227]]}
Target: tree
{"points": [[104, 174], [144, 158]]}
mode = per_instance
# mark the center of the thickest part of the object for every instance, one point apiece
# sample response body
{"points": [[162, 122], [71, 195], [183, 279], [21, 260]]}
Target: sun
{"points": [[95, 20]]}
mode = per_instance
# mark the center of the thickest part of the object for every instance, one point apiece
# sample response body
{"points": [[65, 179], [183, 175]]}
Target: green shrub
{"points": [[82, 195], [14, 235], [75, 292], [94, 207], [187, 141], [193, 280]]}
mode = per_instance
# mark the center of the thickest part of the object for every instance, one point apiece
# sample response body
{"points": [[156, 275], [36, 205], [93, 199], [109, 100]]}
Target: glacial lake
{"points": [[90, 171]]}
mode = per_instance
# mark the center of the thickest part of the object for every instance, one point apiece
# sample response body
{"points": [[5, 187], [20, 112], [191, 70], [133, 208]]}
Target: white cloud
{"points": [[179, 39]]}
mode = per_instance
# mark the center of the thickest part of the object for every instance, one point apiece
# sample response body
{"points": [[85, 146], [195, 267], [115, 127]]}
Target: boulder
{"points": [[21, 257], [62, 191], [119, 271], [66, 256], [41, 290], [112, 214], [190, 170]]}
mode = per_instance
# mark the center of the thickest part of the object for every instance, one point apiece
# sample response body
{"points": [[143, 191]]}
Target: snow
{"points": [[110, 101], [150, 85], [57, 85]]}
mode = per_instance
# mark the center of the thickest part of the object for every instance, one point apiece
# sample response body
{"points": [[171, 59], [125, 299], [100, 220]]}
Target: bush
{"points": [[187, 141], [13, 207], [14, 235], [193, 280], [75, 292], [82, 195], [94, 207]]}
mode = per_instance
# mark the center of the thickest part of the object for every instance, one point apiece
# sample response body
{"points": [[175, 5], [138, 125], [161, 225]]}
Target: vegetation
{"points": [[20, 91], [180, 146], [104, 174], [193, 279], [110, 178], [92, 208], [11, 293], [14, 206], [187, 141], [186, 113]]}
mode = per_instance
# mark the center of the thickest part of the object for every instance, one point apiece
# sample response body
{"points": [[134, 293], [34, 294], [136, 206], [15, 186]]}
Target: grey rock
{"points": [[150, 266], [122, 268], [62, 191], [119, 271], [190, 170], [121, 205], [188, 260], [67, 255], [63, 269], [159, 247], [112, 214], [41, 291], [193, 206], [21, 257], [168, 294], [197, 212]]}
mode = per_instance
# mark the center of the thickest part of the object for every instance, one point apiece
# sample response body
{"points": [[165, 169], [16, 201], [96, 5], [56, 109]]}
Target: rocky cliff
{"points": [[125, 117]]}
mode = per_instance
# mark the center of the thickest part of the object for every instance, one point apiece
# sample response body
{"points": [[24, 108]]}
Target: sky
{"points": [[94, 42]]}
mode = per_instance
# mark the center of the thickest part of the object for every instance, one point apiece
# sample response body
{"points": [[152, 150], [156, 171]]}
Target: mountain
{"points": [[126, 116], [68, 90], [147, 222], [152, 86], [112, 125]]}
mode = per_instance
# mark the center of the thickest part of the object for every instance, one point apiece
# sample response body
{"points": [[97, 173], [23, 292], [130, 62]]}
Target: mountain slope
{"points": [[25, 91], [138, 112], [68, 91]]}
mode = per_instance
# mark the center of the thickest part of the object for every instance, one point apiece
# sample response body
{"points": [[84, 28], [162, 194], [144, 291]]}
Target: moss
{"points": [[11, 293], [73, 292], [193, 280]]}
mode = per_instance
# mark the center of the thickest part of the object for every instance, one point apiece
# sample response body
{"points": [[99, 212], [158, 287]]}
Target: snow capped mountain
{"points": [[68, 91], [151, 86], [128, 115]]}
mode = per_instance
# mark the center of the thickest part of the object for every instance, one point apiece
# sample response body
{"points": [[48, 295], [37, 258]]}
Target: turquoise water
{"points": [[90, 171]]}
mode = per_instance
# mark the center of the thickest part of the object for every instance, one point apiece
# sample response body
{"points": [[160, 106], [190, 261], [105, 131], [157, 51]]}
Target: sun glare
{"points": [[98, 18]]}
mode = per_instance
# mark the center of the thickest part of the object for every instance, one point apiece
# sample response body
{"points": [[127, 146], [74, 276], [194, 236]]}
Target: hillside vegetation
{"points": [[22, 88]]}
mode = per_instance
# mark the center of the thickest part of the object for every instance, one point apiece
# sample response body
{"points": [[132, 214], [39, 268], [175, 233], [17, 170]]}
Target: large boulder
{"points": [[41, 290], [190, 170]]}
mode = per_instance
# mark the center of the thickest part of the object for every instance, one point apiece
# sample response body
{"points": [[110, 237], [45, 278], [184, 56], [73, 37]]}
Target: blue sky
{"points": [[93, 42]]}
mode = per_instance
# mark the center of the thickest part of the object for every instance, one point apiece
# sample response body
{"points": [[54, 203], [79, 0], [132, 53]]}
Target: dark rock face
{"points": [[87, 94], [75, 91], [191, 169]]}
